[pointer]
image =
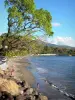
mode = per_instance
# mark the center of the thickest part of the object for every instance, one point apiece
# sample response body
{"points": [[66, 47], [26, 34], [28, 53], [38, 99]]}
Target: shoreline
{"points": [[19, 64], [21, 73], [50, 89], [17, 84]]}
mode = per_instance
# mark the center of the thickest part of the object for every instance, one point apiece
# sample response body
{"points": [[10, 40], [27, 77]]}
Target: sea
{"points": [[54, 76]]}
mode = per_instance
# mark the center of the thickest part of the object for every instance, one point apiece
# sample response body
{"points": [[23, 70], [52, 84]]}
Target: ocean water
{"points": [[55, 75]]}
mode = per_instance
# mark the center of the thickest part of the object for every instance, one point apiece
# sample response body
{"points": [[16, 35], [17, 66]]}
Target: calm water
{"points": [[60, 70]]}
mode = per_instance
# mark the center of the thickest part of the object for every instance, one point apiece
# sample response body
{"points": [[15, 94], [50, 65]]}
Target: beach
{"points": [[16, 81], [19, 64], [27, 70]]}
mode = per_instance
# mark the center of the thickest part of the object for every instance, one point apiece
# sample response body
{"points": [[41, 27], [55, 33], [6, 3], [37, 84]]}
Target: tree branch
{"points": [[26, 24]]}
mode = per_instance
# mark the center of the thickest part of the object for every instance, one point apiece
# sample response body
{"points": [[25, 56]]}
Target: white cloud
{"points": [[69, 41], [56, 24], [62, 41]]}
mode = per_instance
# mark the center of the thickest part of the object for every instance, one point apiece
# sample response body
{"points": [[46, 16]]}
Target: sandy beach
{"points": [[19, 65], [16, 81]]}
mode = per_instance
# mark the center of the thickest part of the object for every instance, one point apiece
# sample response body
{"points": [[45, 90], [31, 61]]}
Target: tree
{"points": [[1, 42], [23, 17]]}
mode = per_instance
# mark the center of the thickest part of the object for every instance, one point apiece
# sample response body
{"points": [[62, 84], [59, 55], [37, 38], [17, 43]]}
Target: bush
{"points": [[16, 53]]}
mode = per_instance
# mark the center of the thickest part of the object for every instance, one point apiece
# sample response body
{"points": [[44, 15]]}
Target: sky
{"points": [[63, 20]]}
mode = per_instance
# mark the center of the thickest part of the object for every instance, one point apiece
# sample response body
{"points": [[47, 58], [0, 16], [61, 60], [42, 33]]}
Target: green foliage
{"points": [[23, 45], [58, 50], [16, 53], [19, 45], [0, 41], [23, 21], [43, 18], [23, 17]]}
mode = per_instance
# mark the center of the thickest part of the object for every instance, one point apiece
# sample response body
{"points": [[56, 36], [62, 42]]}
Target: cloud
{"points": [[69, 41], [62, 41], [56, 24]]}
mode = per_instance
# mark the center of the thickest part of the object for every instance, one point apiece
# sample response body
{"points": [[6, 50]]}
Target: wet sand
{"points": [[19, 64]]}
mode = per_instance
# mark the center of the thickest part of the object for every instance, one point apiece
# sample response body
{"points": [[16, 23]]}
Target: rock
{"points": [[6, 96], [30, 91], [26, 85], [36, 93], [32, 97], [43, 97], [21, 83], [21, 92], [36, 97], [13, 88], [20, 97], [25, 90]]}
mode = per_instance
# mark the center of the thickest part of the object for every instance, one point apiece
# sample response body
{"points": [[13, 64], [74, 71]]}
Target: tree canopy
{"points": [[23, 17]]}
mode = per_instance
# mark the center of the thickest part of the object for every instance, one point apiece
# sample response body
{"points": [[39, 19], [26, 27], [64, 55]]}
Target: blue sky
{"points": [[63, 19]]}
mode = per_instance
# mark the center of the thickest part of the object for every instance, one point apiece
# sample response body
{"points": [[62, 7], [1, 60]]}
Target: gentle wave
{"points": [[61, 91], [42, 70]]}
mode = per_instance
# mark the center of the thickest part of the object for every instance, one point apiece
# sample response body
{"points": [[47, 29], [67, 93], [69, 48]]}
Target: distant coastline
{"points": [[49, 55], [46, 54]]}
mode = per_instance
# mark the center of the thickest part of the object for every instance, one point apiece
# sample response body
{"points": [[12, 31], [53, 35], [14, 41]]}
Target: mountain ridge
{"points": [[54, 45]]}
